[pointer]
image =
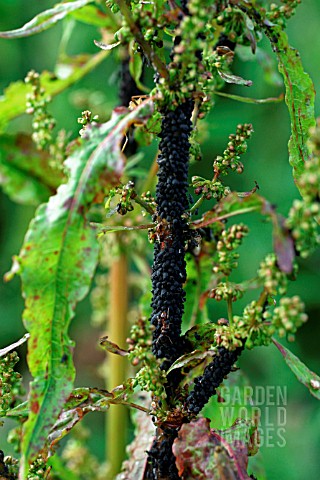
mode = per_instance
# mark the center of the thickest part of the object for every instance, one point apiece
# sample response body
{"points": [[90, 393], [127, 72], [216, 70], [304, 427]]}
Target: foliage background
{"points": [[266, 162]]}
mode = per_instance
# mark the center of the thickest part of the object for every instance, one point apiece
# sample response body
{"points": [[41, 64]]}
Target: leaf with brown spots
{"points": [[58, 260]]}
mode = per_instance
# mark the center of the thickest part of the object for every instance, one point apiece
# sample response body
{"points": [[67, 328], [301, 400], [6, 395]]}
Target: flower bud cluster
{"points": [[230, 160], [10, 382], [274, 280], [225, 259], [289, 316], [37, 103]]}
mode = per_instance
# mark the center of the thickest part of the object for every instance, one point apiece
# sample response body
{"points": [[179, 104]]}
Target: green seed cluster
{"points": [[274, 280], [279, 14], [252, 326], [140, 341], [230, 160], [37, 105], [10, 382], [192, 70], [225, 259], [151, 378], [228, 336], [226, 291], [209, 188], [148, 17], [289, 316], [238, 27]]}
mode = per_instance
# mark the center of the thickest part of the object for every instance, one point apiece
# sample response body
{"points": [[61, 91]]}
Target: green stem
{"points": [[230, 312], [117, 418], [263, 297], [198, 203], [160, 67], [144, 204]]}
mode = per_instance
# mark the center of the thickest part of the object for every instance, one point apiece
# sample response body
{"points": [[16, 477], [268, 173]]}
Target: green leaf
{"points": [[45, 19], [299, 98], [25, 172], [229, 78], [13, 102], [58, 260], [136, 68], [310, 379], [192, 359]]}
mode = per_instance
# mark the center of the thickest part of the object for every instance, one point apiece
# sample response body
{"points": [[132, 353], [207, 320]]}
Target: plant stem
{"points": [[117, 418], [230, 312], [144, 204], [198, 203], [204, 223]]}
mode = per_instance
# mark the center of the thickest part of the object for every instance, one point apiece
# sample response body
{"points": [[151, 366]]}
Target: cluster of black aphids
{"points": [[205, 386], [169, 267], [162, 462]]}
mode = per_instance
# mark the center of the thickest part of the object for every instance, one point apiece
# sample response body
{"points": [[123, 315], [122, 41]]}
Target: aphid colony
{"points": [[169, 268], [205, 386]]}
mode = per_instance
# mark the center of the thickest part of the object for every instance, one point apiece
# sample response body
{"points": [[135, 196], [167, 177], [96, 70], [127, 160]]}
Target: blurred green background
{"points": [[266, 162]]}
